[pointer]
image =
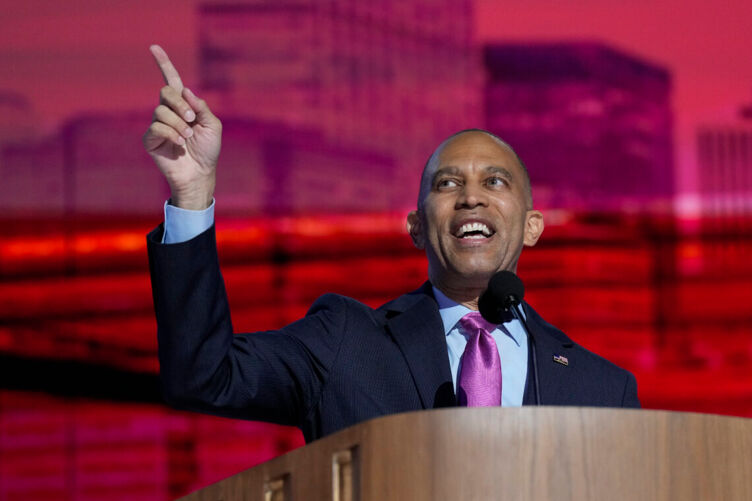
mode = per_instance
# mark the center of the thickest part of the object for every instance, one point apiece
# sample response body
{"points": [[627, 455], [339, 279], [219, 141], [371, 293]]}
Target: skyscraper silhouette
{"points": [[593, 124], [395, 76]]}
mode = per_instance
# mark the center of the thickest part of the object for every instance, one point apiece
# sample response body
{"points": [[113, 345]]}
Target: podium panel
{"points": [[536, 453]]}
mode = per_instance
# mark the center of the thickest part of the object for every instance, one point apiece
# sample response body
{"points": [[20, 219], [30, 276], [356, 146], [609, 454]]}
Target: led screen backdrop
{"points": [[634, 120]]}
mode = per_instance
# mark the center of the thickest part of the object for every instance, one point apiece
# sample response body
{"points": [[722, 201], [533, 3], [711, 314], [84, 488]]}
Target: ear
{"points": [[415, 229], [533, 227]]}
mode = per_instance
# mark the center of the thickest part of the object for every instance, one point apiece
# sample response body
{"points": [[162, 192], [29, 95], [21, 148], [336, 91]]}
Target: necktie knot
{"points": [[473, 323]]}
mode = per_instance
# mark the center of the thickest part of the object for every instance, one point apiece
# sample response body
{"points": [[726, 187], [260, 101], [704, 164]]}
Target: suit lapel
{"points": [[554, 377], [415, 325]]}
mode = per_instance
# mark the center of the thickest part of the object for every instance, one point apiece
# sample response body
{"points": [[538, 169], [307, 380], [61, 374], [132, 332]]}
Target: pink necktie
{"points": [[480, 377]]}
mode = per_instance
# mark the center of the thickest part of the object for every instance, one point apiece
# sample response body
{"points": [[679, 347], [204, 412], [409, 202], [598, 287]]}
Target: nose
{"points": [[471, 196]]}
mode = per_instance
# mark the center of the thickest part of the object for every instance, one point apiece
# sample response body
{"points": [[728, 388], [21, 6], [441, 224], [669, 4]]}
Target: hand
{"points": [[184, 139]]}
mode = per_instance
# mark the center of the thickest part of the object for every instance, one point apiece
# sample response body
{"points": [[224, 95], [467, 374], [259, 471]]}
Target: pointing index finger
{"points": [[169, 73]]}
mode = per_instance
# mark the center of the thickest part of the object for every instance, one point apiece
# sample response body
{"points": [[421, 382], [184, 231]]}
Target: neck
{"points": [[466, 296], [462, 289]]}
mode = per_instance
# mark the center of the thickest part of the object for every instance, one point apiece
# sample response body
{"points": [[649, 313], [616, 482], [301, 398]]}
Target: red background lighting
{"points": [[647, 105]]}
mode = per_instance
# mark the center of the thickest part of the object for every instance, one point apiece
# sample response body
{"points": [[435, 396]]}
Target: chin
{"points": [[475, 274]]}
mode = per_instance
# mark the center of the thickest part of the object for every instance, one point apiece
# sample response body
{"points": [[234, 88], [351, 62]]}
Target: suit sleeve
{"points": [[271, 376]]}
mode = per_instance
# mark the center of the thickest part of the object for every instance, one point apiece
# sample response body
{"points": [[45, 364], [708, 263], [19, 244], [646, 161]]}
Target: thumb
{"points": [[204, 116]]}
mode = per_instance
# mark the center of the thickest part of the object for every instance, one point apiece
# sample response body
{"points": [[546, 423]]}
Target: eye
{"points": [[496, 181], [446, 183]]}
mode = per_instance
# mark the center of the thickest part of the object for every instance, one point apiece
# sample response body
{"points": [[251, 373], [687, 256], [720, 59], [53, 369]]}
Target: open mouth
{"points": [[474, 230]]}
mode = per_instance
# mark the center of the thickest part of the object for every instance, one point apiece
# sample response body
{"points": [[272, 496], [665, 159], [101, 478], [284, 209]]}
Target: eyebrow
{"points": [[491, 169], [502, 171]]}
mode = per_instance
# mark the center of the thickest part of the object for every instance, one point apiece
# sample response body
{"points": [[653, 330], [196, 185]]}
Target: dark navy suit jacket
{"points": [[343, 363]]}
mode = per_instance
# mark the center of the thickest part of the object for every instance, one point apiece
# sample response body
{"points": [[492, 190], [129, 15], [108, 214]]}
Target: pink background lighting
{"points": [[634, 119]]}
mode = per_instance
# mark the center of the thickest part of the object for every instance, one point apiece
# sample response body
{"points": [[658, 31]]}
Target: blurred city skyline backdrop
{"points": [[633, 118], [67, 60]]}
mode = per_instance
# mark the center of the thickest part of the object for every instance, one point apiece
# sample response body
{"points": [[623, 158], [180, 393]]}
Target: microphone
{"points": [[504, 291], [504, 294]]}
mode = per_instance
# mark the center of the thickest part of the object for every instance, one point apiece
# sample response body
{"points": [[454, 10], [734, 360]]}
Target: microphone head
{"points": [[505, 290]]}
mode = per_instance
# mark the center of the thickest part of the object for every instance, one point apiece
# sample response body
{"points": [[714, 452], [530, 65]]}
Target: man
{"points": [[345, 362]]}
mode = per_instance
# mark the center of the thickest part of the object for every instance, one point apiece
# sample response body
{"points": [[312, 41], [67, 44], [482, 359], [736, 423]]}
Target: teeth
{"points": [[474, 227]]}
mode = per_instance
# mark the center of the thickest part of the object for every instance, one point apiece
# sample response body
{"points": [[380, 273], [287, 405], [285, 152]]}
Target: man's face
{"points": [[475, 218]]}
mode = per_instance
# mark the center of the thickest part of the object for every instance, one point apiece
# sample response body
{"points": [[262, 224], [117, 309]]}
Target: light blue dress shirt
{"points": [[511, 341], [182, 225]]}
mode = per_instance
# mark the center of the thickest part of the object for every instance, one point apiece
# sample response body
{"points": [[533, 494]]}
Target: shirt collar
{"points": [[451, 312]]}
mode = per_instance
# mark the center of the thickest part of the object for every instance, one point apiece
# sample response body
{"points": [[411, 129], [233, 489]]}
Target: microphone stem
{"points": [[517, 313]]}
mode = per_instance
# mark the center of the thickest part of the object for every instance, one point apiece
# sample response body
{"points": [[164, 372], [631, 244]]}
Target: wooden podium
{"points": [[535, 453]]}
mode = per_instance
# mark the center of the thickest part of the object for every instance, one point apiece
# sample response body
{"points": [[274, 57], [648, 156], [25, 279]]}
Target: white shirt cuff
{"points": [[181, 225]]}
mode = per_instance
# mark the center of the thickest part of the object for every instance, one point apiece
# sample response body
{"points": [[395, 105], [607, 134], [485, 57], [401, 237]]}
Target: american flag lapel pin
{"points": [[561, 359]]}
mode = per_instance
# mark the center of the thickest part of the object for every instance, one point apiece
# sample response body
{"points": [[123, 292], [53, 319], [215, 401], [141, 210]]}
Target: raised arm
{"points": [[184, 139], [203, 366]]}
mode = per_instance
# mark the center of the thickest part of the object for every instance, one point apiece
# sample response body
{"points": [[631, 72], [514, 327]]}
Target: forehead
{"points": [[476, 148]]}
